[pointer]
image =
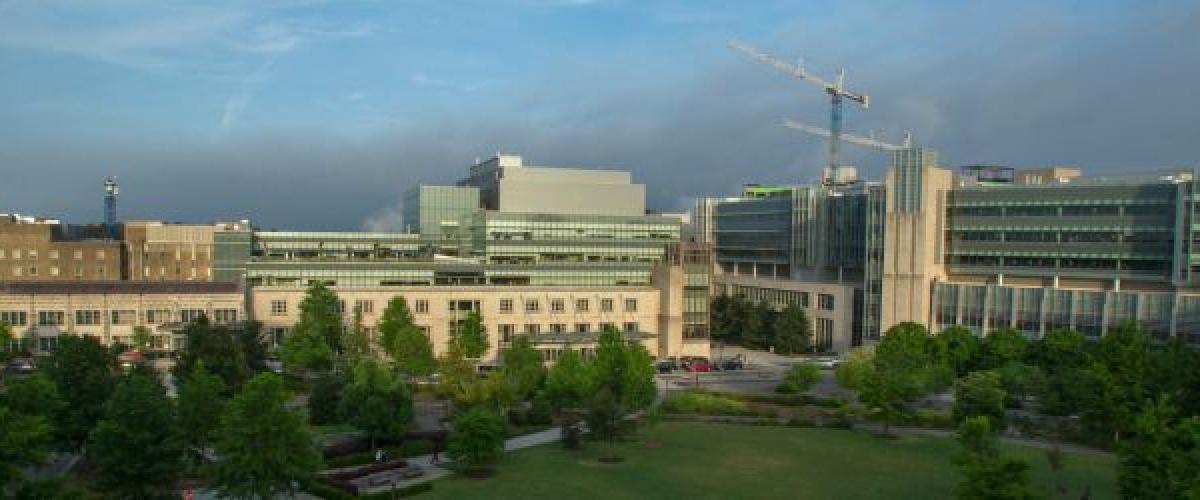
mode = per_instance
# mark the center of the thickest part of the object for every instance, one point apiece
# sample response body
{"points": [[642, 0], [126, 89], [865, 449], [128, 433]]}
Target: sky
{"points": [[318, 114]]}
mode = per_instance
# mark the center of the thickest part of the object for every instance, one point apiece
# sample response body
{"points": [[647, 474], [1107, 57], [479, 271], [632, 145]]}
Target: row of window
{"points": [[825, 301], [508, 331], [86, 317], [20, 271], [279, 307], [32, 254]]}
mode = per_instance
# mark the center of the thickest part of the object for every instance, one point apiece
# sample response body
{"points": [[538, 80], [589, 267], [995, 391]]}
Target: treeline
{"points": [[1124, 391], [737, 320]]}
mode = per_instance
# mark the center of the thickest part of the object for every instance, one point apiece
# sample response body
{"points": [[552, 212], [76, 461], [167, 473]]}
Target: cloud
{"points": [[387, 219]]}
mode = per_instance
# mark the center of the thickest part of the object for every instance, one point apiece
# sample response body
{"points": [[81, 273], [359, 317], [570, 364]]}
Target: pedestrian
{"points": [[379, 455], [437, 445], [386, 458]]}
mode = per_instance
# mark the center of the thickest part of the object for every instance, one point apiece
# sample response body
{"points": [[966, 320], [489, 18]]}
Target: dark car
{"points": [[20, 366], [734, 363]]}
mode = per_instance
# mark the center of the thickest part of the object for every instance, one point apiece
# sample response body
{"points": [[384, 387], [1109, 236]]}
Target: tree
{"points": [[356, 343], [221, 351], [980, 394], [1020, 381], [201, 400], [569, 382], [305, 351], [35, 396], [477, 439], [800, 378], [409, 348], [81, 369], [522, 367], [456, 376], [6, 339], [1163, 459], [1120, 371], [899, 372], [958, 348], [325, 398], [321, 316], [851, 373], [606, 417], [719, 316], [1003, 346], [793, 331], [987, 474], [625, 370], [1173, 374], [133, 449], [141, 338], [24, 440], [1062, 357], [759, 325], [265, 448], [471, 336], [376, 402]]}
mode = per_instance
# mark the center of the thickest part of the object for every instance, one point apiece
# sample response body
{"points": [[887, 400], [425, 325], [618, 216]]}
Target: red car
{"points": [[698, 365]]}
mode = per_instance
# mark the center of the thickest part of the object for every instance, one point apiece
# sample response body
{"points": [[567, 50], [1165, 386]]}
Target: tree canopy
{"points": [[471, 337], [82, 370], [522, 367], [407, 345], [133, 448], [231, 354], [201, 400], [376, 402], [478, 437], [265, 448]]}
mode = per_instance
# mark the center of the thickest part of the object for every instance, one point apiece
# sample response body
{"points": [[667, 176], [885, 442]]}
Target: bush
{"points": [[701, 403], [787, 387], [802, 376], [933, 419], [801, 422], [319, 489]]}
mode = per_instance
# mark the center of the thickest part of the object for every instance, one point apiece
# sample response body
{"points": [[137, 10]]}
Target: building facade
{"points": [[41, 249]]}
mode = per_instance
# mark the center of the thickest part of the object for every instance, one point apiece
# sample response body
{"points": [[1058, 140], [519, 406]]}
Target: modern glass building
{"points": [[438, 210]]}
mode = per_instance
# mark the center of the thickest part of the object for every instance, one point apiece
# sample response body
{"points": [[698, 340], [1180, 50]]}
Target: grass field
{"points": [[694, 460]]}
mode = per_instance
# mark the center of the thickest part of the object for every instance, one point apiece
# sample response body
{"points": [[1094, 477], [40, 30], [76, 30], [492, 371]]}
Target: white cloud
{"points": [[387, 219]]}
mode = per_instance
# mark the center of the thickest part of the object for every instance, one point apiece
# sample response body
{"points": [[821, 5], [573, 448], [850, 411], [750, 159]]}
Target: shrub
{"points": [[701, 403], [787, 387], [801, 422]]}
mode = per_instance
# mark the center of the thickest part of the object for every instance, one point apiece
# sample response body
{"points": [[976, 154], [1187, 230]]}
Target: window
{"points": [[825, 302], [506, 305], [581, 305], [631, 327], [157, 316], [33, 271], [422, 306], [630, 305], [99, 254], [100, 273], [79, 272], [224, 315], [52, 254], [278, 307], [557, 305], [824, 340], [13, 318], [364, 306], [53, 270], [558, 328], [607, 326], [582, 327], [78, 254], [1, 253], [507, 332], [190, 315], [532, 305], [122, 317], [16, 253], [33, 254], [606, 305], [87, 317], [462, 305], [532, 329], [50, 318]]}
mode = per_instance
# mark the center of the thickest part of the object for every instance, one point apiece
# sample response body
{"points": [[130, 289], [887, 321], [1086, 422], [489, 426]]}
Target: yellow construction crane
{"points": [[836, 90]]}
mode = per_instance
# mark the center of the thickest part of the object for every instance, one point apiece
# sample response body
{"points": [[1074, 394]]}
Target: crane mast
{"points": [[836, 90]]}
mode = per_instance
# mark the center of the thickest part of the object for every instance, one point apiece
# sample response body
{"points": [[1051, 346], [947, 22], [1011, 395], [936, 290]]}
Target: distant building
{"points": [[41, 249]]}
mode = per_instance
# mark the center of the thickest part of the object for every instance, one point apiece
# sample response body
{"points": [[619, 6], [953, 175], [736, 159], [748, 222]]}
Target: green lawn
{"points": [[731, 461]]}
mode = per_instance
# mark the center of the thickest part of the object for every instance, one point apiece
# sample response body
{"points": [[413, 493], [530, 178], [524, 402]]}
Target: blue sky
{"points": [[318, 114]]}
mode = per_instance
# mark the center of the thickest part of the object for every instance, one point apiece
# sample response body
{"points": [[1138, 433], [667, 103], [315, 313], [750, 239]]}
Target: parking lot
{"points": [[761, 373]]}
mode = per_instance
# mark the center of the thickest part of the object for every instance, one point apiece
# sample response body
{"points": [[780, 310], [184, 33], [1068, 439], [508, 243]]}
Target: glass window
{"points": [[421, 306], [630, 305], [582, 327], [581, 305], [606, 305], [50, 318], [532, 305], [631, 327], [506, 305], [557, 305], [278, 307], [87, 317], [825, 301], [364, 306]]}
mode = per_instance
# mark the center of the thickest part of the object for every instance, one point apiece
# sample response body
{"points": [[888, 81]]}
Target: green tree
{"points": [[409, 348], [141, 338], [522, 367], [793, 331], [265, 448], [35, 396], [24, 440], [1020, 381], [325, 398], [759, 325], [1163, 459], [980, 394], [1173, 374], [958, 348], [851, 373], [1062, 357], [357, 344], [304, 351], [1120, 371], [478, 437], [81, 369], [376, 402], [1003, 346], [987, 474], [471, 336], [799, 378], [569, 382], [606, 417], [900, 371], [6, 340], [719, 316], [457, 379], [133, 449], [625, 370], [201, 400], [321, 316], [220, 350]]}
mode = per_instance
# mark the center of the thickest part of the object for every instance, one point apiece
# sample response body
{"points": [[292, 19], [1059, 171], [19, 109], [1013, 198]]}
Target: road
{"points": [[764, 371]]}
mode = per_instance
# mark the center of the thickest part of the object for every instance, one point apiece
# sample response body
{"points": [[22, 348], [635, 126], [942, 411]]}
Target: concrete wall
{"points": [[913, 237]]}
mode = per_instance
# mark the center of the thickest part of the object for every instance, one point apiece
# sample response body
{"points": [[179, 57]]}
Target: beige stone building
{"points": [[160, 251], [41, 311]]}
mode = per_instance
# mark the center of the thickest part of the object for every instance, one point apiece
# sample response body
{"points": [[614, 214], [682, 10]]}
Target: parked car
{"points": [[664, 366], [698, 365], [827, 362], [732, 363], [20, 366]]}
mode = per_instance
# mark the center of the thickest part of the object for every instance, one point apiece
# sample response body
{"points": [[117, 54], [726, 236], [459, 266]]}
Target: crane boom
{"points": [[851, 138], [832, 88]]}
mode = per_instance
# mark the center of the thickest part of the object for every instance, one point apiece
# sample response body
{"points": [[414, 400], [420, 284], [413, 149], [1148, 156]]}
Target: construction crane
{"points": [[871, 142], [836, 90]]}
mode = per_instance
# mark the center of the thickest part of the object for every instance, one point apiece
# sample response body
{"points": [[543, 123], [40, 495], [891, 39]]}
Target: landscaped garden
{"points": [[695, 460]]}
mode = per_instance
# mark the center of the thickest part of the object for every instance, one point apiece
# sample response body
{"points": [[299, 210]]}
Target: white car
{"points": [[827, 363]]}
